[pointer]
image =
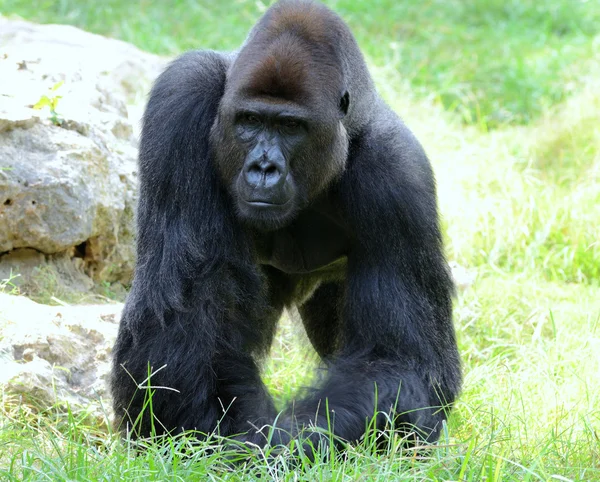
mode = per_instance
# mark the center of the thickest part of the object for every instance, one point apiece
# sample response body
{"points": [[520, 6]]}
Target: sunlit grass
{"points": [[494, 62]]}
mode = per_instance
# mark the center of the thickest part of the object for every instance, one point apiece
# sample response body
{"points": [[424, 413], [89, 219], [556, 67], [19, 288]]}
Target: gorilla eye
{"points": [[252, 119], [291, 125]]}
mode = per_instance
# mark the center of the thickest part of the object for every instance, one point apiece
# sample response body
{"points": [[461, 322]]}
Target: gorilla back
{"points": [[277, 177]]}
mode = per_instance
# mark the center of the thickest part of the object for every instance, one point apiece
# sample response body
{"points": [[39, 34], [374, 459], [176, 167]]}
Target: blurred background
{"points": [[493, 62], [505, 97]]}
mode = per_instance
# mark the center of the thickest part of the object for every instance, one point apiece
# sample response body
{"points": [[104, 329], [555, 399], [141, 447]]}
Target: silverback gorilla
{"points": [[276, 177]]}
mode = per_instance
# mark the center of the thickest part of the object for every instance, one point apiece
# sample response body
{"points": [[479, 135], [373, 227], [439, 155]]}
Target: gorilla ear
{"points": [[345, 103]]}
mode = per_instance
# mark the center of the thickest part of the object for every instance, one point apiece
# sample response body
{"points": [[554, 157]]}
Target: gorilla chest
{"points": [[311, 244]]}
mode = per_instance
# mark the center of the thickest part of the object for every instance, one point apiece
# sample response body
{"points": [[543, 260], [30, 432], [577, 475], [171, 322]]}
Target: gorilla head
{"points": [[281, 141]]}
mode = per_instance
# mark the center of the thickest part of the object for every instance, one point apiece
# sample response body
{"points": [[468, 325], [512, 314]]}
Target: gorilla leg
{"points": [[361, 382], [321, 316], [237, 362], [364, 380], [242, 392]]}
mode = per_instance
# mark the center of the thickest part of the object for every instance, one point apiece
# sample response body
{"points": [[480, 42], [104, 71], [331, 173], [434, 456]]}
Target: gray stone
{"points": [[57, 355], [70, 188]]}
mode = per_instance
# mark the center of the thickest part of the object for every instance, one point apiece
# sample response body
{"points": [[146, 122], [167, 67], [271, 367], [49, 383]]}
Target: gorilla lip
{"points": [[265, 204]]}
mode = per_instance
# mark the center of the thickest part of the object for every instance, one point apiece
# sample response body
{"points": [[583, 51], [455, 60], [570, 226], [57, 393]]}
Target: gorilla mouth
{"points": [[262, 204], [264, 214], [263, 198]]}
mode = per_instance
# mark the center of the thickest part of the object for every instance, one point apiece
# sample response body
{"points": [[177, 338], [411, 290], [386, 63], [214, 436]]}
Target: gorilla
{"points": [[276, 177]]}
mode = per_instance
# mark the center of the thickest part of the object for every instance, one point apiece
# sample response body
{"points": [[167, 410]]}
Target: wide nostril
{"points": [[266, 169], [263, 174], [271, 170], [255, 169]]}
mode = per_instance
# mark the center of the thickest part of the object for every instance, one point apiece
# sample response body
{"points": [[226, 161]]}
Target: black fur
{"points": [[359, 252]]}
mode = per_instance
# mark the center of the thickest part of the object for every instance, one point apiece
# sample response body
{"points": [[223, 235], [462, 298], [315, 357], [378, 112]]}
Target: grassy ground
{"points": [[505, 96]]}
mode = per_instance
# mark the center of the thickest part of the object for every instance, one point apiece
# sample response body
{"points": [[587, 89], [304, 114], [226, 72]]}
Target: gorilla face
{"points": [[272, 137], [276, 156]]}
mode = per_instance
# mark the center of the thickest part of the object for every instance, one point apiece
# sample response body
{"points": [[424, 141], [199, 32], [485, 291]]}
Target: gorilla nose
{"points": [[264, 174]]}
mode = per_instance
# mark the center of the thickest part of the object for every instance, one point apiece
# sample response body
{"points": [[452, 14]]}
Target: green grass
{"points": [[521, 208], [495, 62]]}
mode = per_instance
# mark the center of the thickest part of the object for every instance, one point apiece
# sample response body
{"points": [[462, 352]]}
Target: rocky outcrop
{"points": [[68, 169], [57, 356]]}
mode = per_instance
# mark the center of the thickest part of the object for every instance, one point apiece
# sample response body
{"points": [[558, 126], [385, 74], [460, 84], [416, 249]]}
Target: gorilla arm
{"points": [[192, 263], [398, 350]]}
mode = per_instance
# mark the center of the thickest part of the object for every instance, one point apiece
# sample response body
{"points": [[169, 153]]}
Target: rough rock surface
{"points": [[55, 355], [68, 184]]}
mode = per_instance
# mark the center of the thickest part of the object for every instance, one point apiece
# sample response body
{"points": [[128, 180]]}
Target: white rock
{"points": [[62, 186], [57, 356]]}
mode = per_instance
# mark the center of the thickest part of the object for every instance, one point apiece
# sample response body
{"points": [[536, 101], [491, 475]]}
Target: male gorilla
{"points": [[276, 177]]}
